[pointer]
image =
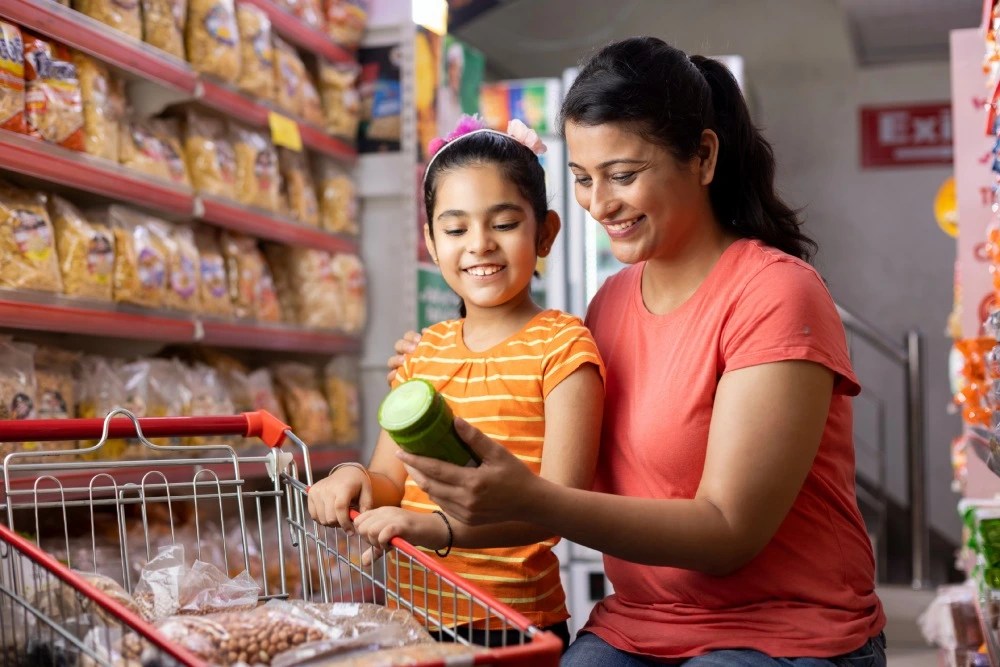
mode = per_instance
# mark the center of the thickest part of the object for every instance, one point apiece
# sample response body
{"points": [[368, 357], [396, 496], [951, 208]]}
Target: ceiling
{"points": [[881, 32]]}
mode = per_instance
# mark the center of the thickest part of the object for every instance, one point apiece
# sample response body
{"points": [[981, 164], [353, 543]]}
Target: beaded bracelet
{"points": [[451, 535]]}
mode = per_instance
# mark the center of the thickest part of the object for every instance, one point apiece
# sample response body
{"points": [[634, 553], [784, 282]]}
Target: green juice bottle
{"points": [[419, 420]]}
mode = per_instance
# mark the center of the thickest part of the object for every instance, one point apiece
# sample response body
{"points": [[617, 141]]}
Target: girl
{"points": [[522, 374]]}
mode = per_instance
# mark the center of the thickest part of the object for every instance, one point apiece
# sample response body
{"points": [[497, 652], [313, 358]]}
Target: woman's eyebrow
{"points": [[608, 163]]}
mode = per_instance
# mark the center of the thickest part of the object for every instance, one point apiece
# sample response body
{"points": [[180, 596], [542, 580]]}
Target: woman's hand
{"points": [[404, 346], [500, 489]]}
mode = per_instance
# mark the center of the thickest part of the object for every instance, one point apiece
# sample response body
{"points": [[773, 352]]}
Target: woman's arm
{"points": [[766, 429]]}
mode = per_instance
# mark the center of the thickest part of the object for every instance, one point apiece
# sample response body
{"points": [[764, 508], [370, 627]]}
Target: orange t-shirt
{"points": [[502, 392], [811, 591]]}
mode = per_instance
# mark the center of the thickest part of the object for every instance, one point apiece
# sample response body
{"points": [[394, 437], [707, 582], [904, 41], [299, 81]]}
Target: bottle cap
{"points": [[405, 405]]}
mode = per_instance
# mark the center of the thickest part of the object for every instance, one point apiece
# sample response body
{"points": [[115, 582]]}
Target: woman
{"points": [[724, 498]]}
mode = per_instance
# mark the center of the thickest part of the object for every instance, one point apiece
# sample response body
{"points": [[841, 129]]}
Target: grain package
{"points": [[307, 410], [11, 78], [257, 177], [244, 269], [99, 391], [346, 20], [53, 106], [168, 133], [212, 38], [140, 259], [260, 388], [163, 25], [290, 77], [257, 74], [17, 385], [209, 153], [312, 108], [86, 252], [103, 106], [141, 149], [208, 397], [268, 306], [338, 85], [213, 285], [122, 15], [298, 186], [307, 283], [28, 257], [338, 199], [350, 276], [341, 380], [183, 265], [277, 258]]}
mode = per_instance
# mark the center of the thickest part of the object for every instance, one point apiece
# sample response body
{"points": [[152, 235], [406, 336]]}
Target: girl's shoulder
{"points": [[552, 321]]}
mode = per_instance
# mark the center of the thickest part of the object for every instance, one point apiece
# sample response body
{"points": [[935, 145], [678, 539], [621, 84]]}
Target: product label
{"points": [[261, 41], [219, 24], [22, 407], [32, 235], [184, 280], [151, 270], [213, 275], [52, 405], [264, 170], [100, 258]]}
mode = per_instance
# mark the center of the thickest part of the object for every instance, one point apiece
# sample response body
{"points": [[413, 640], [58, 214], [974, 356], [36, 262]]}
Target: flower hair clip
{"points": [[526, 136], [470, 125]]}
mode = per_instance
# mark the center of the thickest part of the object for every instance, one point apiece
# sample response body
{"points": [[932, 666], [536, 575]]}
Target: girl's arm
{"points": [[767, 423]]}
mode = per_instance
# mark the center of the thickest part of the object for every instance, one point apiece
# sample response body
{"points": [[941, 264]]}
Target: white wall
{"points": [[880, 250]]}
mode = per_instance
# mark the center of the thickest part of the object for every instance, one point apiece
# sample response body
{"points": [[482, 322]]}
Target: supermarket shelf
{"points": [[277, 337], [321, 142], [232, 102], [79, 31], [989, 631], [261, 224], [36, 158], [298, 33]]}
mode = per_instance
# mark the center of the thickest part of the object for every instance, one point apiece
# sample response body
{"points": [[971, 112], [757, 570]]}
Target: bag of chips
{"points": [[341, 378], [140, 259], [346, 20], [244, 269], [213, 38], [183, 265], [338, 84], [298, 186], [53, 105], [103, 106], [28, 257], [307, 410], [163, 23], [86, 252], [338, 200], [257, 180], [210, 156], [257, 49], [213, 285], [351, 279], [290, 77], [11, 78], [122, 15]]}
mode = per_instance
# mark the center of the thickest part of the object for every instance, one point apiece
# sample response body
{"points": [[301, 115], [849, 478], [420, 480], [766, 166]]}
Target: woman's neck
{"points": [[670, 281], [486, 327]]}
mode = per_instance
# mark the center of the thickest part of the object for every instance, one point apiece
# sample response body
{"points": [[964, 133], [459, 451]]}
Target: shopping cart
{"points": [[239, 509]]}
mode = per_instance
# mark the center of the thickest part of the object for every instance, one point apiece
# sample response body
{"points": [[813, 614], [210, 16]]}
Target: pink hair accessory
{"points": [[466, 124], [526, 136]]}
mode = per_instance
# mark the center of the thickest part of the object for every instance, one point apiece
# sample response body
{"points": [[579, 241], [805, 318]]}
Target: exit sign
{"points": [[906, 135]]}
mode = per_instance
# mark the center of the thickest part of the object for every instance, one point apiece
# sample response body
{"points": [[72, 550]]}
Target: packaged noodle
{"points": [[212, 38], [140, 259], [168, 132], [208, 397], [11, 78], [165, 395], [142, 149], [299, 188], [122, 15], [52, 103], [86, 252], [244, 268], [99, 391], [290, 76], [338, 199], [163, 22], [183, 264], [260, 388], [257, 51], [18, 389], [257, 180], [103, 106], [351, 279], [338, 85], [346, 20], [55, 390], [213, 286], [312, 109], [307, 285], [209, 153], [28, 257], [307, 410], [341, 378], [268, 306]]}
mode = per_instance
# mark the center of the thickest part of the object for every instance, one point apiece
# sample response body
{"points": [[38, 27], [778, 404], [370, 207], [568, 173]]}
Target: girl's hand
{"points": [[379, 526], [330, 499], [404, 346], [500, 489]]}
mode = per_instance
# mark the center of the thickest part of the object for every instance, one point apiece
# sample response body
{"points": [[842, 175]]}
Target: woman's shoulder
{"points": [[760, 266]]}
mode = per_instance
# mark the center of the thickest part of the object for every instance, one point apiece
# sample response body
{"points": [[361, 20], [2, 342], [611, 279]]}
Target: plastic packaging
{"points": [[28, 257], [312, 108], [53, 105], [421, 422], [299, 188], [290, 77], [306, 285], [18, 388], [210, 157], [11, 78], [55, 390], [208, 397], [183, 265], [212, 38], [346, 20], [257, 49], [244, 269], [86, 252], [213, 284], [341, 378], [257, 178], [338, 201], [153, 147], [103, 107], [268, 306], [350, 275], [99, 391], [140, 259], [260, 388], [122, 15], [307, 409], [163, 23], [338, 84]]}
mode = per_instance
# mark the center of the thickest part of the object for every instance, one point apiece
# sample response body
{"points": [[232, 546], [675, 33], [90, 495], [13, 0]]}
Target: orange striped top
{"points": [[500, 391]]}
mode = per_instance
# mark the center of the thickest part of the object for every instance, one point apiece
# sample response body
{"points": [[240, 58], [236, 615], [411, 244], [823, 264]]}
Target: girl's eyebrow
{"points": [[609, 163], [491, 211]]}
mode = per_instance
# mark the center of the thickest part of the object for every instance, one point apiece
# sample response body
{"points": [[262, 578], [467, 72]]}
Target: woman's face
{"points": [[650, 204]]}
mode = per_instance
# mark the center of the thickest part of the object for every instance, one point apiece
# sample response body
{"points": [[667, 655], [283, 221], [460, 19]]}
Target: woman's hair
{"points": [[667, 98], [515, 162]]}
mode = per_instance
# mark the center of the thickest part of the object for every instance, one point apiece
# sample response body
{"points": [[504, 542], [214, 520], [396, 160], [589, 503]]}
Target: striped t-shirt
{"points": [[500, 391]]}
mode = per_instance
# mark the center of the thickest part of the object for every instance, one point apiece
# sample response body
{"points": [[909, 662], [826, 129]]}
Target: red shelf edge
{"points": [[277, 338], [232, 102], [320, 141], [295, 31], [88, 321]]}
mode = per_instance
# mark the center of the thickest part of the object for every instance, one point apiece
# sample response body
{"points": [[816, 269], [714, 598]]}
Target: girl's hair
{"points": [[667, 98], [515, 162]]}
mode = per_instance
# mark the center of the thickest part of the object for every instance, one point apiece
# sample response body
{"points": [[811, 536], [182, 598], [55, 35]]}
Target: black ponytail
{"points": [[666, 97]]}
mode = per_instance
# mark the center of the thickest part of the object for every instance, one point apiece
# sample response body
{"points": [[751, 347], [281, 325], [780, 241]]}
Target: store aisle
{"points": [[906, 646]]}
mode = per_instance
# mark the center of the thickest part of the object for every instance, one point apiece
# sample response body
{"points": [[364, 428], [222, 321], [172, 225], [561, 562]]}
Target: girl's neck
{"points": [[669, 282], [484, 328]]}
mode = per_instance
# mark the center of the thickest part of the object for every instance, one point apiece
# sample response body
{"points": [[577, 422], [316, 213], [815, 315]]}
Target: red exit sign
{"points": [[906, 135]]}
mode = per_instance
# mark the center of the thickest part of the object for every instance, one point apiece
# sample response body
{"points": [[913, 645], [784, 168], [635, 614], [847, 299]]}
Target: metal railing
{"points": [[908, 356]]}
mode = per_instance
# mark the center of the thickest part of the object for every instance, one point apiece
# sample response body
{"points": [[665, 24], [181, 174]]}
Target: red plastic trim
{"points": [[33, 157], [232, 102], [320, 141], [120, 427], [297, 32], [262, 424], [84, 33], [56, 569], [78, 320], [258, 223], [278, 338]]}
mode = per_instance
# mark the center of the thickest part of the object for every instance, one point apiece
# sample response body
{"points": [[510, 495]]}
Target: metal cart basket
{"points": [[70, 512]]}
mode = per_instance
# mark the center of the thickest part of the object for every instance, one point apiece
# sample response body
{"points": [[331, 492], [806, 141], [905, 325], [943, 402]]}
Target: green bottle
{"points": [[419, 420]]}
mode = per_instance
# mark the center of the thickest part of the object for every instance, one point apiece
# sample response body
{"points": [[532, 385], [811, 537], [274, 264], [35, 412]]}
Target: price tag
{"points": [[284, 131]]}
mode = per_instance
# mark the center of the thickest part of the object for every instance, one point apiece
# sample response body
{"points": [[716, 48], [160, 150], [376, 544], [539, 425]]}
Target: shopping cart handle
{"points": [[262, 424]]}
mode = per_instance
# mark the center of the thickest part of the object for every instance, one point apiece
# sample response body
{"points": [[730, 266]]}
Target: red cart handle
{"points": [[261, 424]]}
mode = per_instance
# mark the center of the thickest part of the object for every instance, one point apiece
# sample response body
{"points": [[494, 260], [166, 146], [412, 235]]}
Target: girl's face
{"points": [[651, 205], [486, 240]]}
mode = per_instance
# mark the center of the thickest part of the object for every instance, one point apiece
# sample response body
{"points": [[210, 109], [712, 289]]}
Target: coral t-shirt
{"points": [[811, 590]]}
